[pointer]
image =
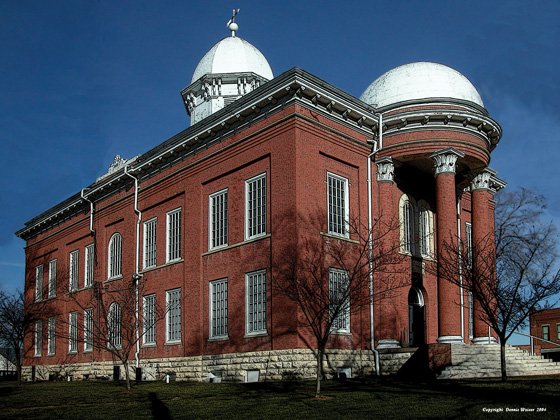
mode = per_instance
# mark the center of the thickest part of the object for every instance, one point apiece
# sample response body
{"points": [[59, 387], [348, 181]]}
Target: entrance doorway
{"points": [[416, 318]]}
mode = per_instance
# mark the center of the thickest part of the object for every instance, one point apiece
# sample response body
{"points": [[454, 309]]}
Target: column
{"points": [[449, 309], [482, 195], [387, 310]]}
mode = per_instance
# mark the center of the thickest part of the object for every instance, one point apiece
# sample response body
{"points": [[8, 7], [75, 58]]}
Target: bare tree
{"points": [[117, 324], [513, 273], [15, 322], [328, 278]]}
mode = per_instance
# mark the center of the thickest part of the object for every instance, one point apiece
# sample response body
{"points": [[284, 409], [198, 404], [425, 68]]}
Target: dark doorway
{"points": [[416, 318]]}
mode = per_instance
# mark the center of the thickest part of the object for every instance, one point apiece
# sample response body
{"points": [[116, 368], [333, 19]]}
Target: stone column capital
{"points": [[487, 180], [444, 160], [385, 169]]}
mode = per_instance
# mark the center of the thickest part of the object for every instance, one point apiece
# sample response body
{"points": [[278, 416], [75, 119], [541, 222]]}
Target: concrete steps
{"points": [[483, 361]]}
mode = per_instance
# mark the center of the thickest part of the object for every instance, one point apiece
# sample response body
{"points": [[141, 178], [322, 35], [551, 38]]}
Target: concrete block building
{"points": [[199, 219]]}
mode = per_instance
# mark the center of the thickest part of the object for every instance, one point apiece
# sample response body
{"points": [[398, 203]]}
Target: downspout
{"points": [[137, 276], [91, 209], [462, 301], [374, 150]]}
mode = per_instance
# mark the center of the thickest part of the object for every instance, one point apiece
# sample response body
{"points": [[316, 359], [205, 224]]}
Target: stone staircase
{"points": [[483, 361]]}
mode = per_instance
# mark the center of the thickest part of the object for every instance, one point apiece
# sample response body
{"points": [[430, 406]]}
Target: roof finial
{"points": [[232, 26]]}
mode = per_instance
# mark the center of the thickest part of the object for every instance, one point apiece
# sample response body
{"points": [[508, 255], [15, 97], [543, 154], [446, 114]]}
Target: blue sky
{"points": [[82, 81]]}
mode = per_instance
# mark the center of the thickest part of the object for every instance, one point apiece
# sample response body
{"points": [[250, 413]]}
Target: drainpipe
{"points": [[137, 276], [91, 209], [374, 150], [462, 302]]}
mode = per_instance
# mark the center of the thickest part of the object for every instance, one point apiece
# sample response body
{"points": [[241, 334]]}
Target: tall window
{"points": [[468, 240], [174, 235], [73, 332], [150, 249], [149, 321], [218, 219], [39, 283], [173, 319], [339, 300], [52, 278], [73, 283], [88, 329], [114, 325], [89, 265], [406, 216], [471, 315], [426, 225], [558, 331], [38, 337], [338, 210], [546, 332], [51, 336], [218, 309], [256, 302], [115, 256], [255, 207]]}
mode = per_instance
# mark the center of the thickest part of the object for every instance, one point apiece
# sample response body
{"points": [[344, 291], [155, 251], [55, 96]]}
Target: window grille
{"points": [[114, 325], [150, 247], [174, 235], [74, 262], [52, 278], [149, 321], [173, 326], [39, 283], [255, 207], [88, 329], [339, 300], [218, 308], [51, 336], [256, 302], [89, 263], [337, 192], [115, 256], [218, 223], [73, 332]]}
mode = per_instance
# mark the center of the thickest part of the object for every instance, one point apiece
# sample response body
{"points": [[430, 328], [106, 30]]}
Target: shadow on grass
{"points": [[158, 408]]}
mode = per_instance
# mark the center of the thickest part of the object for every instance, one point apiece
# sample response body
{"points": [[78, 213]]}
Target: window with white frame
{"points": [[149, 320], [218, 219], [337, 203], [255, 207], [255, 288], [39, 283], [339, 300], [115, 256], [406, 219], [37, 344], [52, 278], [174, 235], [89, 264], [150, 247], [114, 326], [173, 318], [471, 314], [468, 240], [426, 225], [73, 274], [88, 329], [219, 308], [51, 336], [546, 332], [73, 332]]}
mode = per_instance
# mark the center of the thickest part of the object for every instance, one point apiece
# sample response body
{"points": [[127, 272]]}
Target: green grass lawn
{"points": [[372, 398]]}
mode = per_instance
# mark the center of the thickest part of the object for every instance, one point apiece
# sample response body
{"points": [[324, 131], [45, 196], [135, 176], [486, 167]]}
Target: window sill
{"points": [[157, 267], [73, 352], [151, 345], [220, 338], [346, 333], [246, 242], [339, 237], [173, 343], [51, 354], [88, 350], [257, 334], [115, 278], [37, 356]]}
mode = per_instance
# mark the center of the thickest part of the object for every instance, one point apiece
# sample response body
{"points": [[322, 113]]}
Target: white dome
{"points": [[233, 55], [420, 80]]}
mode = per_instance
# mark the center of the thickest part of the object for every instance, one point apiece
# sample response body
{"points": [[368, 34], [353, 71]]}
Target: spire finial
{"points": [[232, 26]]}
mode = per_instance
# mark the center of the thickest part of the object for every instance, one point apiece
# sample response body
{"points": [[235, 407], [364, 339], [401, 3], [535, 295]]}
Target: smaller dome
{"points": [[421, 80], [233, 55]]}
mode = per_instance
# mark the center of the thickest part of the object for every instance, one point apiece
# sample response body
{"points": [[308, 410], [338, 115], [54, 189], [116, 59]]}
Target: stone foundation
{"points": [[234, 367]]}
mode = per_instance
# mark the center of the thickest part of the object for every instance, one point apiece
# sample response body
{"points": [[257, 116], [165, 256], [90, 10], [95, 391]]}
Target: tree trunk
{"points": [[126, 374], [503, 359], [18, 365], [320, 353]]}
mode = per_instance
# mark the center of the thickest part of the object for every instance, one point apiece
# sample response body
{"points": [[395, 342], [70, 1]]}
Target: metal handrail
{"points": [[532, 338]]}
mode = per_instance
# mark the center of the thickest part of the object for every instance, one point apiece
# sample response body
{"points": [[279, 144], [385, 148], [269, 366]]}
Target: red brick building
{"points": [[545, 324], [200, 219]]}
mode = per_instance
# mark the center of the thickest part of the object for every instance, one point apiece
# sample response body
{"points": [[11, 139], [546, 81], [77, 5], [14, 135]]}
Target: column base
{"points": [[484, 340], [388, 343], [450, 339]]}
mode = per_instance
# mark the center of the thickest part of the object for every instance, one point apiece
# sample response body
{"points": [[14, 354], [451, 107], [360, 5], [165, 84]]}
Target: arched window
{"points": [[114, 326], [115, 256], [407, 222], [426, 228]]}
